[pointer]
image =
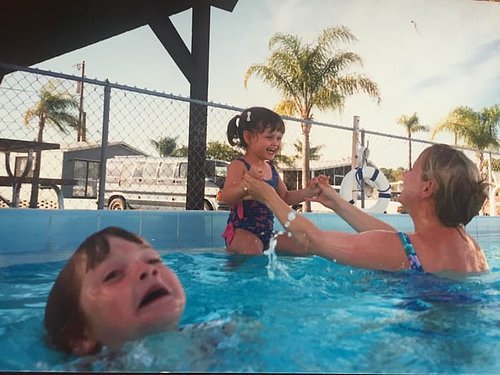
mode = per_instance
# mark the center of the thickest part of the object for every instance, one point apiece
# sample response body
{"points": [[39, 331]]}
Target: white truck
{"points": [[145, 182]]}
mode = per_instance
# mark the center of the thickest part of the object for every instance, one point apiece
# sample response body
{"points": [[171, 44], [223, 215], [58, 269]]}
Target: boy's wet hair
{"points": [[64, 320], [254, 120]]}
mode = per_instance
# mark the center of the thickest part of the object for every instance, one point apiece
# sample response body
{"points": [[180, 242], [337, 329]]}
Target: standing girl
{"points": [[259, 131]]}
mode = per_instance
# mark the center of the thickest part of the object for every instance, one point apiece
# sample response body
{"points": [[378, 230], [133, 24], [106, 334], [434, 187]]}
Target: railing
{"points": [[123, 120]]}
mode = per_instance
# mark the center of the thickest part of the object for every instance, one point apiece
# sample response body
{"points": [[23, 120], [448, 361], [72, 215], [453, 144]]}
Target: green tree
{"points": [[393, 175], [222, 151], [181, 151], [477, 129], [313, 151], [450, 124], [312, 75], [281, 159], [412, 125], [289, 161], [165, 146], [55, 107], [215, 150]]}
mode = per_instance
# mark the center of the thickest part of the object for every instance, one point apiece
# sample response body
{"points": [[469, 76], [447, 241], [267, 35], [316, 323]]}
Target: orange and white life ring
{"points": [[372, 176]]}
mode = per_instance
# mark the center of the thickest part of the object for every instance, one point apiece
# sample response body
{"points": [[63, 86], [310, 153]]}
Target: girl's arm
{"points": [[232, 192], [358, 219], [293, 197], [372, 249]]}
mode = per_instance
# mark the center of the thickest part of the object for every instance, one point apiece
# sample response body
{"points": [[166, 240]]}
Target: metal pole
{"points": [[354, 150], [81, 125], [362, 163], [104, 146], [355, 136]]}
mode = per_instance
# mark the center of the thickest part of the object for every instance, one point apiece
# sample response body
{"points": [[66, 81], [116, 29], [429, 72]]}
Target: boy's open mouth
{"points": [[152, 296]]}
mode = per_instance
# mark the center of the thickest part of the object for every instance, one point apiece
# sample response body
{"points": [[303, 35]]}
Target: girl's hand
{"points": [[326, 195], [313, 189], [322, 179]]}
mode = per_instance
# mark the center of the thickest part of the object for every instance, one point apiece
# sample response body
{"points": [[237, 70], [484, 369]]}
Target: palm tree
{"points": [[313, 151], [286, 160], [181, 151], [412, 125], [478, 130], [222, 151], [56, 108], [289, 161], [451, 124], [165, 146], [312, 75]]}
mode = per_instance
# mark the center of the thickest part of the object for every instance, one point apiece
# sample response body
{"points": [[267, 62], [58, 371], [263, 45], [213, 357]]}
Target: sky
{"points": [[427, 56]]}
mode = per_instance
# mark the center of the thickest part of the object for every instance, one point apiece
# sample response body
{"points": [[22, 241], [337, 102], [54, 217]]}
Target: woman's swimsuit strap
{"points": [[410, 252]]}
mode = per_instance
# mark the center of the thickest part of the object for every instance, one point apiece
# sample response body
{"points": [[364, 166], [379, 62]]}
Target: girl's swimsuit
{"points": [[252, 215], [410, 252]]}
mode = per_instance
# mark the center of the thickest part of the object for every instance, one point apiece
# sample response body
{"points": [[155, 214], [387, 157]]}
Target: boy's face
{"points": [[130, 294]]}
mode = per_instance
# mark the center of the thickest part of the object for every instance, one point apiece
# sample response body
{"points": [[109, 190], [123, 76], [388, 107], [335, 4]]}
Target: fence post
{"points": [[104, 145], [362, 164], [355, 136]]}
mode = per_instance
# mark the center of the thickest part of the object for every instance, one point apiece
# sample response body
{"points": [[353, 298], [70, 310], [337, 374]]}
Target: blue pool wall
{"points": [[29, 236]]}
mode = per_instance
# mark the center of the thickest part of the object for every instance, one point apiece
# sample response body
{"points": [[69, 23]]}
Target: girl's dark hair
{"points": [[64, 321], [460, 191], [254, 120]]}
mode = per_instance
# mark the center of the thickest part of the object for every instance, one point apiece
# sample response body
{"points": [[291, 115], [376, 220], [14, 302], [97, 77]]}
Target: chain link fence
{"points": [[144, 162]]}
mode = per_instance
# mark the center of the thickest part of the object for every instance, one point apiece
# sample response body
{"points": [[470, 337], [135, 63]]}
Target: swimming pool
{"points": [[302, 315]]}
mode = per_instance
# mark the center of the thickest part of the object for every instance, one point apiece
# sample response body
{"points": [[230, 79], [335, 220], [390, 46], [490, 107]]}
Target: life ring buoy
{"points": [[352, 182]]}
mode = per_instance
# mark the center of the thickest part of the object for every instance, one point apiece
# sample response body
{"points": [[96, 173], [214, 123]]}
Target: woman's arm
{"points": [[372, 249], [358, 219], [293, 197]]}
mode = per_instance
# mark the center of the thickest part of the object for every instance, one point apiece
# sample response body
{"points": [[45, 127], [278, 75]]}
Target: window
{"points": [[86, 173], [139, 168], [183, 170], [167, 170], [221, 168], [150, 170]]}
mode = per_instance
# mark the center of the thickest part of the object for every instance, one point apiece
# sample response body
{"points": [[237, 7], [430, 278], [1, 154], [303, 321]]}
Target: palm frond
{"points": [[286, 107], [54, 107]]}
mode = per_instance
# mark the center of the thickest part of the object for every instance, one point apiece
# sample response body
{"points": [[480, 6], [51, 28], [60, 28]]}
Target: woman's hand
{"points": [[257, 188], [256, 172], [326, 195], [313, 189]]}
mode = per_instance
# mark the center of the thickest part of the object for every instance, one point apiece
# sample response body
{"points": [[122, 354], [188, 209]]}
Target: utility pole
{"points": [[81, 135]]}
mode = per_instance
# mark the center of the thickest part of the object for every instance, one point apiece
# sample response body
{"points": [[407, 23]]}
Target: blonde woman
{"points": [[442, 193]]}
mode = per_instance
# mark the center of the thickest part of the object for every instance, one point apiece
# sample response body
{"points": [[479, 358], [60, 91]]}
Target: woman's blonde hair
{"points": [[460, 192]]}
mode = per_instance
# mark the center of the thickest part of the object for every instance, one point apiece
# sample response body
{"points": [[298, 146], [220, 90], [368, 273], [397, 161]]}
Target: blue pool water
{"points": [[303, 315]]}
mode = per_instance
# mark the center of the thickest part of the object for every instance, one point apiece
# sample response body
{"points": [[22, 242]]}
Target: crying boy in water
{"points": [[114, 288]]}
